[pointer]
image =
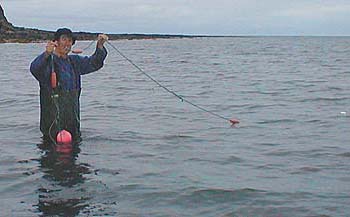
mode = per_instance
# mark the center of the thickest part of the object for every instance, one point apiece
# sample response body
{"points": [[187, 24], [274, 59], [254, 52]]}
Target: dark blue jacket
{"points": [[64, 113], [68, 70]]}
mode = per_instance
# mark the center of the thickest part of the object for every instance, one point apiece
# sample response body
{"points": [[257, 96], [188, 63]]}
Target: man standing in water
{"points": [[60, 84]]}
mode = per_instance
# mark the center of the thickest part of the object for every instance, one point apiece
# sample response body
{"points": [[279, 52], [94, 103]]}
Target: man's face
{"points": [[64, 44]]}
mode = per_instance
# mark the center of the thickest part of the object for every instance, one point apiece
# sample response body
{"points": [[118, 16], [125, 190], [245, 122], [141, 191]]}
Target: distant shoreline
{"points": [[91, 36], [11, 38], [13, 34]]}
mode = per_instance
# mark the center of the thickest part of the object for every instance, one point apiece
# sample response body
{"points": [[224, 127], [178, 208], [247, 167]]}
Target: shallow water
{"points": [[146, 153]]}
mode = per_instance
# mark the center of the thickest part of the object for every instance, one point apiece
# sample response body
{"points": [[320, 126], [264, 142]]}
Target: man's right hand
{"points": [[50, 47]]}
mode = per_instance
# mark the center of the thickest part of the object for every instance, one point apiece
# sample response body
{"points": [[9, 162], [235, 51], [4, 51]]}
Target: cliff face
{"points": [[5, 26], [2, 15]]}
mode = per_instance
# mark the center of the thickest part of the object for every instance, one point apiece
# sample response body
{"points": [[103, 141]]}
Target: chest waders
{"points": [[62, 108]]}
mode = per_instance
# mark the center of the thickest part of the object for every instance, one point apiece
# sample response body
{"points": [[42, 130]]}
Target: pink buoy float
{"points": [[64, 137]]}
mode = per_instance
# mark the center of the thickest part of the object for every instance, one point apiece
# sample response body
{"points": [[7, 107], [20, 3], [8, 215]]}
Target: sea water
{"points": [[147, 153]]}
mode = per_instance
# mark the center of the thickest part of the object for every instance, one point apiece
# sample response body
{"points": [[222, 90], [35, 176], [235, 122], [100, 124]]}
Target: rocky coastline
{"points": [[13, 34]]}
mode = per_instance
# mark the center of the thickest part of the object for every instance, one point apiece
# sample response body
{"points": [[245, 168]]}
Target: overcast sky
{"points": [[213, 17]]}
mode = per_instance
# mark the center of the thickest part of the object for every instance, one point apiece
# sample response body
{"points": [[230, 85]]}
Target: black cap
{"points": [[64, 31]]}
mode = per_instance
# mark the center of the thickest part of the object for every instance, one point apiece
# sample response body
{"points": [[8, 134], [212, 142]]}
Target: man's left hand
{"points": [[101, 39]]}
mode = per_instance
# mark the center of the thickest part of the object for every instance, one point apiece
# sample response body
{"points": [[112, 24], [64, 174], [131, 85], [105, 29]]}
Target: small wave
{"points": [[268, 167], [335, 88], [247, 53], [345, 154], [234, 159], [261, 106], [279, 153], [8, 103], [178, 61], [108, 171], [314, 121], [131, 187], [214, 196], [318, 81], [277, 121], [206, 92], [327, 99], [276, 61], [141, 155], [225, 161], [101, 138], [269, 144], [306, 169], [172, 137]]}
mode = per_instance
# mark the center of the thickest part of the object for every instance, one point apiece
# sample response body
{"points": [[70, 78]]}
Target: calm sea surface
{"points": [[146, 153]]}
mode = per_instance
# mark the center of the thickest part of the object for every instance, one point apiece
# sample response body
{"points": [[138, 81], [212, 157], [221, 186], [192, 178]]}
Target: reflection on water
{"points": [[61, 193]]}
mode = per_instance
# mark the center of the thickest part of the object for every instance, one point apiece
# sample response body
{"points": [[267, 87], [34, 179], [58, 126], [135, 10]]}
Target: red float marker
{"points": [[53, 80], [234, 121], [77, 51]]}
